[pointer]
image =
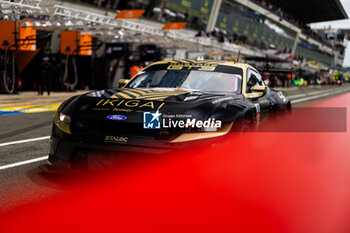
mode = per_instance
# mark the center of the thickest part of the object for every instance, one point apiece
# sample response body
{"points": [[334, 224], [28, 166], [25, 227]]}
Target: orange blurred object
{"points": [[174, 25], [7, 34], [26, 36], [85, 44], [71, 40], [129, 14], [23, 58], [134, 70]]}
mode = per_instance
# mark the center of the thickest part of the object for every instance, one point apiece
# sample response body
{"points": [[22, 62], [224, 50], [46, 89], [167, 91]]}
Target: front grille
{"points": [[102, 160], [121, 128]]}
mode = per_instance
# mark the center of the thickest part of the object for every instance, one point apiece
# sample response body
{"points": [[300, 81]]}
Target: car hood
{"points": [[131, 103], [159, 94]]}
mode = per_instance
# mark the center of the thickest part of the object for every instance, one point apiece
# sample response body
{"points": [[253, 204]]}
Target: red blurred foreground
{"points": [[262, 182]]}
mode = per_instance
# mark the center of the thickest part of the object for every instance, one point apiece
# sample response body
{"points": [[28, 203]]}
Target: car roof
{"points": [[243, 66]]}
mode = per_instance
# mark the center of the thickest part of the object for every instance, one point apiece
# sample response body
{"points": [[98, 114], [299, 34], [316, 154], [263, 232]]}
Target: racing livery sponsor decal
{"points": [[116, 117], [116, 139], [127, 110], [200, 66], [139, 94], [138, 104]]}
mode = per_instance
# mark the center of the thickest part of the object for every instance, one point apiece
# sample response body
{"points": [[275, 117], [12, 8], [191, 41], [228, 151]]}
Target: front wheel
{"points": [[244, 125]]}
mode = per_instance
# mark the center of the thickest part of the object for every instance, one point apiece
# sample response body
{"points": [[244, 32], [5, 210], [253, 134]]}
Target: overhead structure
{"points": [[297, 30], [62, 15], [20, 4], [20, 7], [69, 15], [215, 9], [88, 17], [322, 10]]}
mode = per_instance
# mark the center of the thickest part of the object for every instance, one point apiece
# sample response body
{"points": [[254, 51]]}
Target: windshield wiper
{"points": [[184, 77], [211, 93]]}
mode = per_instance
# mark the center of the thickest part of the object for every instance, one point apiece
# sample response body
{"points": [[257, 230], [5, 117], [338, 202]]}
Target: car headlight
{"points": [[62, 121], [64, 118]]}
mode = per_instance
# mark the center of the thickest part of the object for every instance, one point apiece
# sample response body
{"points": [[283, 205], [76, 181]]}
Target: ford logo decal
{"points": [[116, 117]]}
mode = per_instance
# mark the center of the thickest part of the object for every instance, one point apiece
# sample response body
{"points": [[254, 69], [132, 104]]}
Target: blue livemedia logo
{"points": [[151, 120]]}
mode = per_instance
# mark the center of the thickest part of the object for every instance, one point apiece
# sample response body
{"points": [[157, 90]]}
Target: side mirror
{"points": [[123, 82], [261, 89]]}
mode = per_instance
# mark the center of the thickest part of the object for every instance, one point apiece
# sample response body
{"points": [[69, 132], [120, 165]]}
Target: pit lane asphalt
{"points": [[22, 184], [26, 183]]}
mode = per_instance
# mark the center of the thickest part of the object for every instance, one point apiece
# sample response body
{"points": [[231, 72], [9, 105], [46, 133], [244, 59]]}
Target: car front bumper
{"points": [[66, 152]]}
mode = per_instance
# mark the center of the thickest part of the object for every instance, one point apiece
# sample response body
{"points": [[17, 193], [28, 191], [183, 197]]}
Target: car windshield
{"points": [[206, 81]]}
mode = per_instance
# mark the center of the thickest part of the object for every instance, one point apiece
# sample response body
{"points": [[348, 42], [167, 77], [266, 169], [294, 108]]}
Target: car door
{"points": [[261, 101]]}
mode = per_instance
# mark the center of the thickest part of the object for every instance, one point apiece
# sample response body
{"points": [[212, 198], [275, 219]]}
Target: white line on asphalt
{"points": [[25, 140], [315, 93], [296, 96], [316, 97], [320, 92], [23, 162]]}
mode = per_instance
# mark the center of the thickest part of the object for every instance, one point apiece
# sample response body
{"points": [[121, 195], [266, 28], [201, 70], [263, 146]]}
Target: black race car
{"points": [[168, 105]]}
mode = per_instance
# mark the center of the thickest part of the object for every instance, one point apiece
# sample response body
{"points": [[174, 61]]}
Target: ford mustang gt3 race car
{"points": [[168, 105]]}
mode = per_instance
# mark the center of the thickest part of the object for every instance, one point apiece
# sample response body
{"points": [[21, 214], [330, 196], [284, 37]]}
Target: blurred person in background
{"points": [[45, 77]]}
